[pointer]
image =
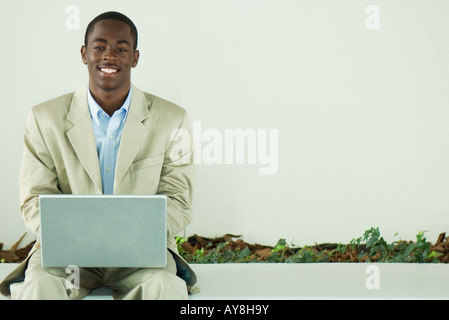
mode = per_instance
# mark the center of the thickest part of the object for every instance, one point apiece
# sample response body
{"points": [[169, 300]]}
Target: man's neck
{"points": [[109, 101]]}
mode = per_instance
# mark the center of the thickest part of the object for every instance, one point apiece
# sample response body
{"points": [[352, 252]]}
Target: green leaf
{"points": [[434, 254], [281, 244], [245, 253]]}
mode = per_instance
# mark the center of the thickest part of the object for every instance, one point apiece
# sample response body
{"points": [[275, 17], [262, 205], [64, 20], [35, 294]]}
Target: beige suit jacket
{"points": [[60, 156]]}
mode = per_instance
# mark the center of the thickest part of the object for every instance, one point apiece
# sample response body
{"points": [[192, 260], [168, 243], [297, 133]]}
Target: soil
{"points": [[234, 242]]}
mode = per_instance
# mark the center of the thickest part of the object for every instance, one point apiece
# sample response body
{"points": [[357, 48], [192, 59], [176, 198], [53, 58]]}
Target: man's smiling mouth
{"points": [[108, 70]]}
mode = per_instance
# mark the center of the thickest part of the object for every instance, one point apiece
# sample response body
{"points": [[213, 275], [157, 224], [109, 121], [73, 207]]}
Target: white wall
{"points": [[362, 115]]}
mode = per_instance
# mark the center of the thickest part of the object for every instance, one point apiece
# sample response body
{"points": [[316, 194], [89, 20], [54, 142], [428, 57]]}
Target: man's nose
{"points": [[109, 54]]}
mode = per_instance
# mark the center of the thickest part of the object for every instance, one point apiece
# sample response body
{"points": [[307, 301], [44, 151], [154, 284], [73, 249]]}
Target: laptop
{"points": [[103, 230]]}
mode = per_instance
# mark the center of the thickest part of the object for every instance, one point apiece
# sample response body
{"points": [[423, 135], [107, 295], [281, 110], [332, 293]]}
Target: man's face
{"points": [[110, 56]]}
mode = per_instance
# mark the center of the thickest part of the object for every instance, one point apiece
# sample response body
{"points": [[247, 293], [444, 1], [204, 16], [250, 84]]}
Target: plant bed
{"points": [[370, 247]]}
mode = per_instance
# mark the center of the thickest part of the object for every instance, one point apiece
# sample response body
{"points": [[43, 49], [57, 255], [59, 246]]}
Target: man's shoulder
{"points": [[58, 105], [163, 107]]}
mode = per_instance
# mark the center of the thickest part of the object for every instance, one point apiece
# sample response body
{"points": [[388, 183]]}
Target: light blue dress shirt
{"points": [[108, 133]]}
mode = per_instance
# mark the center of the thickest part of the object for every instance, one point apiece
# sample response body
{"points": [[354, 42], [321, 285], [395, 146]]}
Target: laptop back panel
{"points": [[103, 231]]}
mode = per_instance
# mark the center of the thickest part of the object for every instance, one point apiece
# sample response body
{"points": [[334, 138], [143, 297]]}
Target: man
{"points": [[106, 138]]}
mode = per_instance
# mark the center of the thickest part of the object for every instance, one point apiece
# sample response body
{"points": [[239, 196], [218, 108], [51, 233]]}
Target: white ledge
{"points": [[272, 281]]}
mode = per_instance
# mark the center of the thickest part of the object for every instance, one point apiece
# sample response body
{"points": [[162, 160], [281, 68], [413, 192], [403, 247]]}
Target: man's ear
{"points": [[83, 54], [135, 58]]}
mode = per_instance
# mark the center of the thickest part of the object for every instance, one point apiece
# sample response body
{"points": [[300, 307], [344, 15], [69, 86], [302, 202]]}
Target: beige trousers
{"points": [[126, 283]]}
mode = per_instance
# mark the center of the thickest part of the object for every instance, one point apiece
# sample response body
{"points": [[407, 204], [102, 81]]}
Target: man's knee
{"points": [[39, 284], [159, 285], [169, 285]]}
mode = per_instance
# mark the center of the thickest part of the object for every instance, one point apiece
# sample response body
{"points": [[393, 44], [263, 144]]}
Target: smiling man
{"points": [[106, 138]]}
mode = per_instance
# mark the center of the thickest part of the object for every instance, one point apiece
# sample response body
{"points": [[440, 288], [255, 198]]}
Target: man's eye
{"points": [[98, 48], [121, 50]]}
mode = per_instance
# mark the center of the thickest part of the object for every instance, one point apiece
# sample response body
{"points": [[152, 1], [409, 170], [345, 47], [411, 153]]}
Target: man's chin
{"points": [[109, 85]]}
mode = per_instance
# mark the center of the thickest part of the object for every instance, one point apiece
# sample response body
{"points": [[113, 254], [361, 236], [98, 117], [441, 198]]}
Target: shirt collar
{"points": [[95, 108]]}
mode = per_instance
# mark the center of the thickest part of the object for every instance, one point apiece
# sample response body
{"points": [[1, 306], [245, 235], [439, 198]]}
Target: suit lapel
{"points": [[82, 138], [134, 134]]}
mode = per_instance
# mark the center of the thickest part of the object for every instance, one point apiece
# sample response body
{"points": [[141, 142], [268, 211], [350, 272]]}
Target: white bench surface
{"points": [[311, 281]]}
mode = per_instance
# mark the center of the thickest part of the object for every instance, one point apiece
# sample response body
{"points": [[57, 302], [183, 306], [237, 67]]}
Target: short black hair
{"points": [[112, 15]]}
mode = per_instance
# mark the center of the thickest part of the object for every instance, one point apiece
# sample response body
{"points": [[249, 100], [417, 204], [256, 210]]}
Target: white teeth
{"points": [[108, 70]]}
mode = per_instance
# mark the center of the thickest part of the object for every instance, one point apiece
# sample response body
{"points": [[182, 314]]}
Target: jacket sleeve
{"points": [[176, 178], [37, 174]]}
